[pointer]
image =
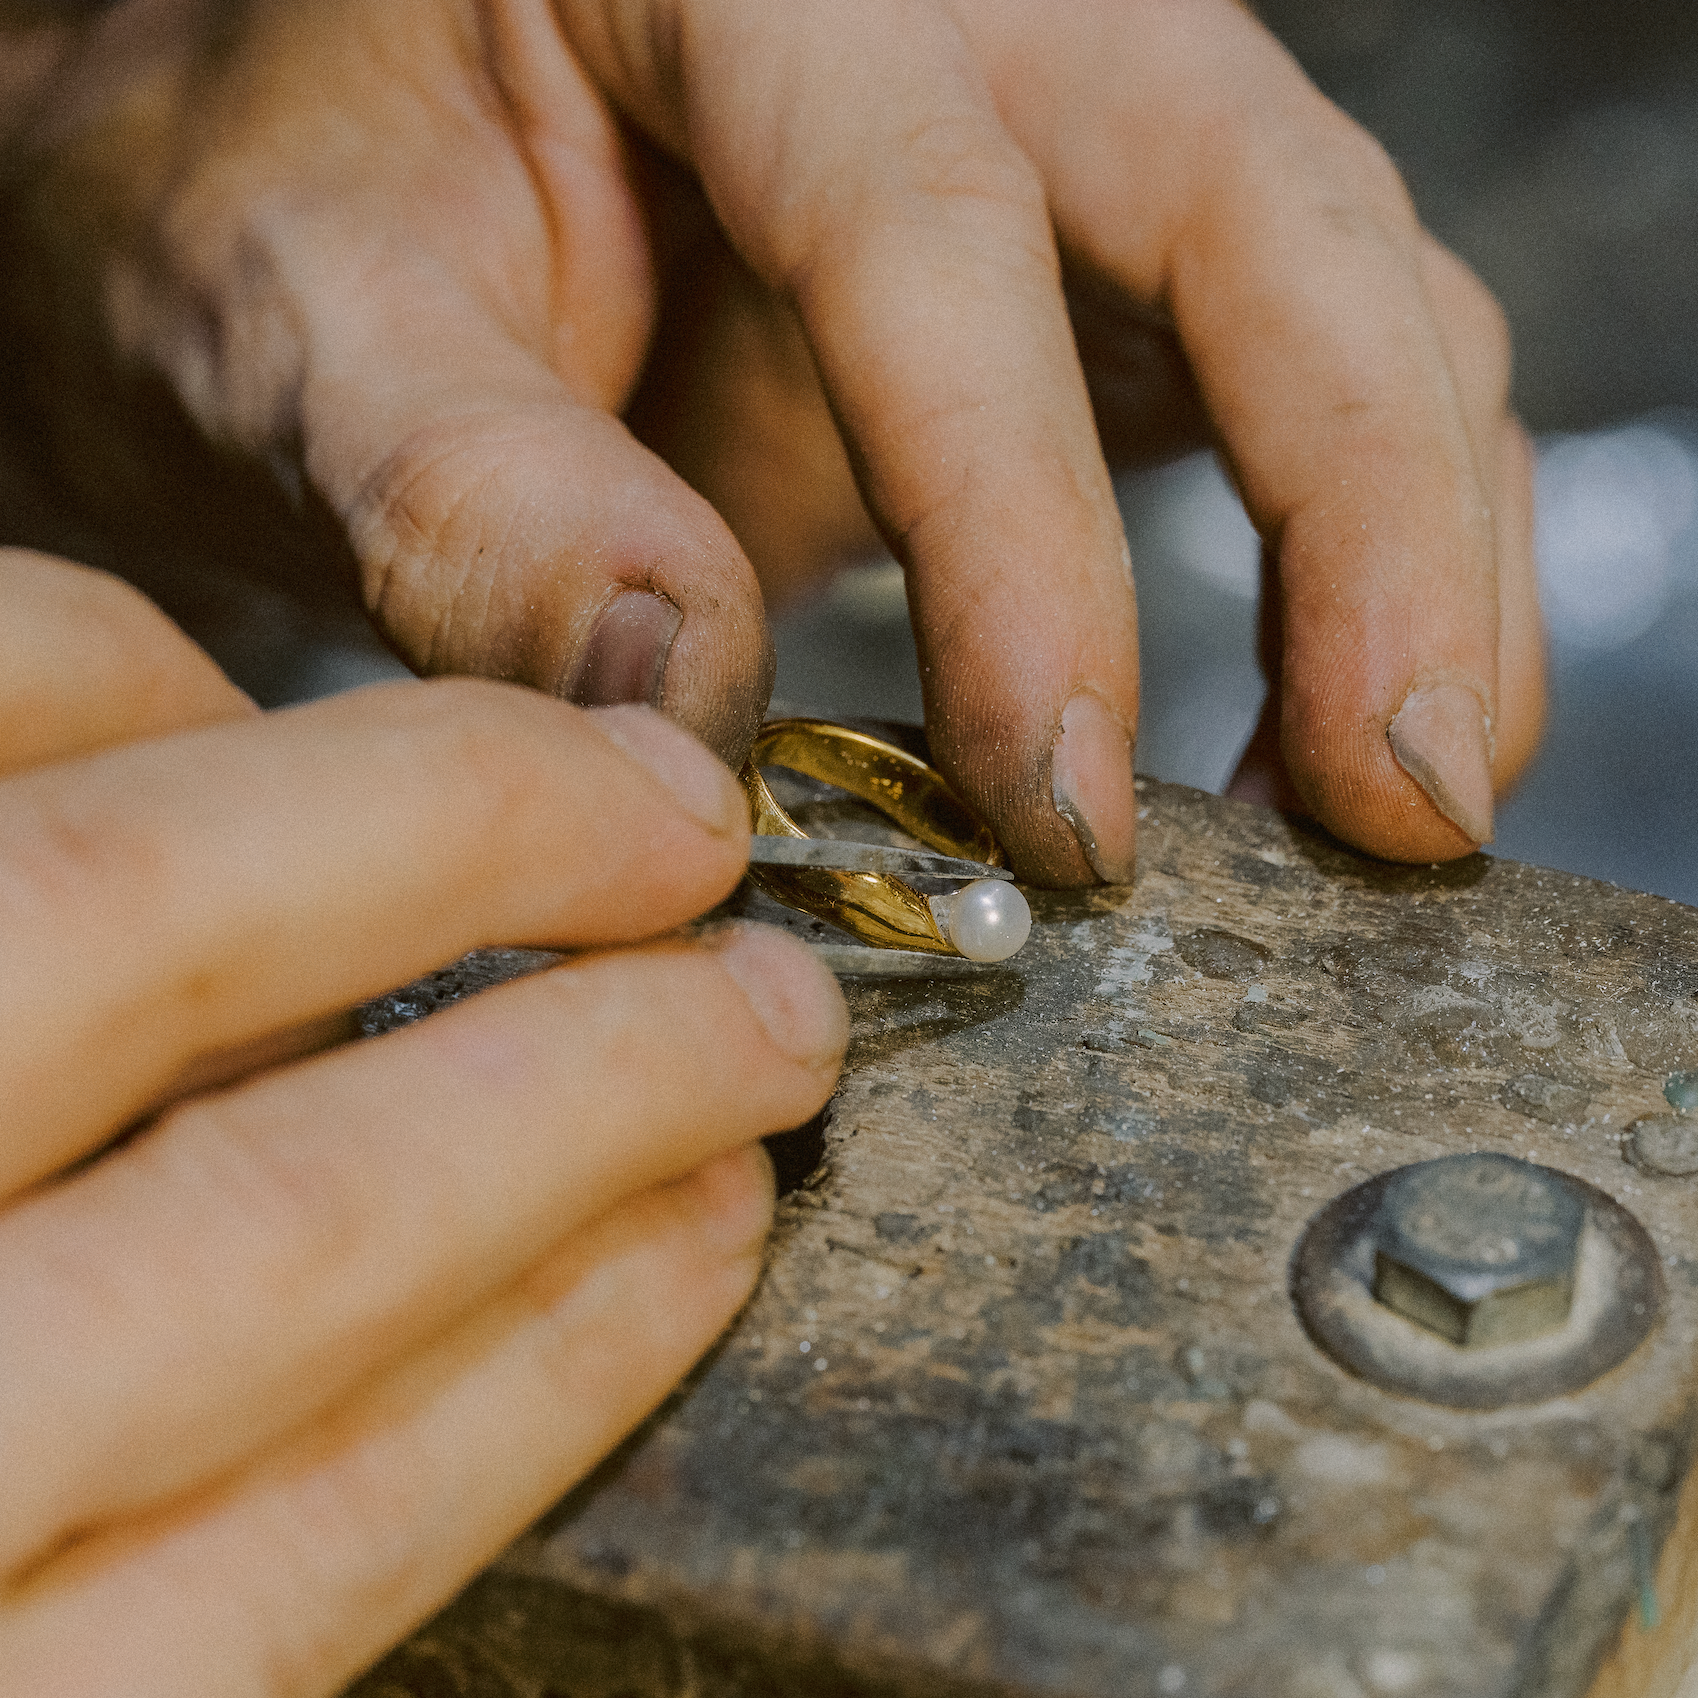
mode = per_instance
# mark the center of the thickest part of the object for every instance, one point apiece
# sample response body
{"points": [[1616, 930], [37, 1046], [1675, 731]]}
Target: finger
{"points": [[857, 164], [457, 322], [1283, 245], [298, 1572], [248, 1263], [1262, 775], [504, 529], [731, 400], [1472, 328], [1522, 667], [193, 894], [1365, 474], [86, 663]]}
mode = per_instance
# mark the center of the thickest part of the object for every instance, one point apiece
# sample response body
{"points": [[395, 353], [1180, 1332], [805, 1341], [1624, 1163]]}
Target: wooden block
{"points": [[1023, 1405]]}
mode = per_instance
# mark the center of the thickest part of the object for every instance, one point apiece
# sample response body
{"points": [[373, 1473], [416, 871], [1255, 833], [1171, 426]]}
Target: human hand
{"points": [[288, 1364], [417, 258]]}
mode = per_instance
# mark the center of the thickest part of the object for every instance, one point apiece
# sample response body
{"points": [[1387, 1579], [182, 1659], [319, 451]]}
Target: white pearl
{"points": [[987, 920]]}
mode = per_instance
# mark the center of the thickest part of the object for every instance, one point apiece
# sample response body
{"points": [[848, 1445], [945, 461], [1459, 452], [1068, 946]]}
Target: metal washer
{"points": [[1618, 1299]]}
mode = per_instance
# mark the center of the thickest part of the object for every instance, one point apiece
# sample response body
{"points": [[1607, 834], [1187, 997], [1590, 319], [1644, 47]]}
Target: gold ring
{"points": [[875, 907]]}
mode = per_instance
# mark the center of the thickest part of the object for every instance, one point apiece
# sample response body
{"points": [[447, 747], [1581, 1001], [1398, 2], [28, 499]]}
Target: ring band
{"points": [[873, 907]]}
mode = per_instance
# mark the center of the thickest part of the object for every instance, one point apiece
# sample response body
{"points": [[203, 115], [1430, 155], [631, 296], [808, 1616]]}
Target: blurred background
{"points": [[1554, 145]]}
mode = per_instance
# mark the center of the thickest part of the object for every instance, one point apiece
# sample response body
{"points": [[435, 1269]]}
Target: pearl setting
{"points": [[987, 920]]}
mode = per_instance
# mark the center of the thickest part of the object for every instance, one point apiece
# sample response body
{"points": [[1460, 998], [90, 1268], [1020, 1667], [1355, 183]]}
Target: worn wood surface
{"points": [[1022, 1405]]}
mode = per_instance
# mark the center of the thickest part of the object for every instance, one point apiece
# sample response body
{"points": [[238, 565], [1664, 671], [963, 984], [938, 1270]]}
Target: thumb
{"points": [[505, 528]]}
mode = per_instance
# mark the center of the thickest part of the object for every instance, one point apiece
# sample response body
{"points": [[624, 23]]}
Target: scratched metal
{"points": [[1022, 1406]]}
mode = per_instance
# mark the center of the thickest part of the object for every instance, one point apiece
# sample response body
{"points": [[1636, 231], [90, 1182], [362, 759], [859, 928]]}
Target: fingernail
{"points": [[700, 783], [792, 995], [735, 1194], [1442, 739], [625, 658], [1091, 782]]}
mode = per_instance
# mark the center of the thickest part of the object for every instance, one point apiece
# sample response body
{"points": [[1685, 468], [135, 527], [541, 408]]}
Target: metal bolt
{"points": [[1528, 1252], [1480, 1249]]}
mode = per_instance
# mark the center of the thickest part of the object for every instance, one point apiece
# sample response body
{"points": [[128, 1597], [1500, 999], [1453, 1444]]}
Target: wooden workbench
{"points": [[1023, 1405]]}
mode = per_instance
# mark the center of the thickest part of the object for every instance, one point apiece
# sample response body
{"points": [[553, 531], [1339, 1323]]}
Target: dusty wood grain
{"points": [[1022, 1406]]}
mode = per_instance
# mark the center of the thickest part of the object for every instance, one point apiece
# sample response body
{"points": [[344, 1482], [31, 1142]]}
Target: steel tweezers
{"points": [[857, 960]]}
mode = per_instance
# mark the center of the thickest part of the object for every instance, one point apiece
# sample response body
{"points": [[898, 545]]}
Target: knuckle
{"points": [[127, 637], [216, 317], [1476, 320], [605, 1287], [135, 642], [222, 1162], [421, 488], [58, 861], [949, 177], [1490, 323], [1352, 186], [1363, 222], [959, 159], [165, 676], [1365, 175], [116, 610]]}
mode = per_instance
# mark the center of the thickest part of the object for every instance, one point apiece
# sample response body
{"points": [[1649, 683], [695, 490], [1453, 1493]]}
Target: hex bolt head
{"points": [[1480, 1249]]}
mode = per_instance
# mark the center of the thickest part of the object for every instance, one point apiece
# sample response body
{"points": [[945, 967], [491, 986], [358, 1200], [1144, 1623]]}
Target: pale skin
{"points": [[307, 1349], [566, 332]]}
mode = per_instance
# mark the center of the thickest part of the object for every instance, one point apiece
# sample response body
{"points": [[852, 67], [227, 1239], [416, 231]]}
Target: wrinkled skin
{"points": [[289, 1362], [564, 329]]}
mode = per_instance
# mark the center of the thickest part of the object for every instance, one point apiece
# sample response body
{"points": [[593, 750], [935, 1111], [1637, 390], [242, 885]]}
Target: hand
{"points": [[287, 1364], [416, 259]]}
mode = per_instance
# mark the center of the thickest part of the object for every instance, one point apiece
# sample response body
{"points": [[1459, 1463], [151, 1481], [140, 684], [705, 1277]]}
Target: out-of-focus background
{"points": [[1554, 144]]}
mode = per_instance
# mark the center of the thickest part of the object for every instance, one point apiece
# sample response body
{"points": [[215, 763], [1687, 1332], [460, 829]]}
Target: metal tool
{"points": [[484, 968], [841, 856], [985, 920], [864, 961]]}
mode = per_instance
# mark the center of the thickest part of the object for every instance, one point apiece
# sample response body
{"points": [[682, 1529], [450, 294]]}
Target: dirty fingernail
{"points": [[700, 783], [625, 658], [791, 994], [1442, 739], [1091, 783]]}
